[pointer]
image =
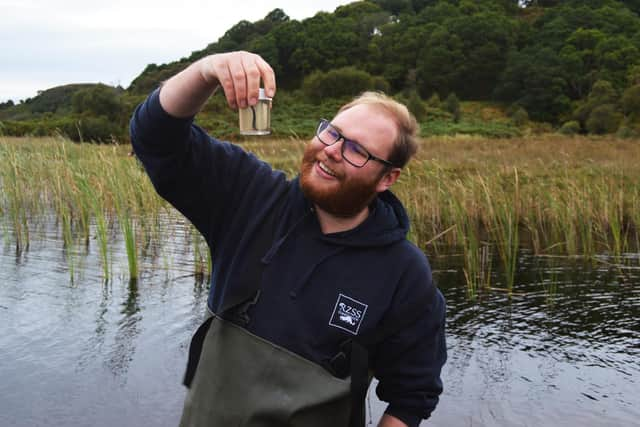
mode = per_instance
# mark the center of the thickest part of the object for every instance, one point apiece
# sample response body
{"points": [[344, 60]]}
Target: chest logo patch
{"points": [[348, 314]]}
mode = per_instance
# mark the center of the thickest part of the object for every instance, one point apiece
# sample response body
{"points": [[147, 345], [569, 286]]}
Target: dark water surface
{"points": [[564, 350]]}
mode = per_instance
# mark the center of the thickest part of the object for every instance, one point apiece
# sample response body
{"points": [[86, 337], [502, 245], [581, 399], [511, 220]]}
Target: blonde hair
{"points": [[405, 145]]}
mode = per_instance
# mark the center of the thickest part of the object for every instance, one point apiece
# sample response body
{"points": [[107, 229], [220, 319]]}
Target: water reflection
{"points": [[562, 350], [95, 342], [127, 331]]}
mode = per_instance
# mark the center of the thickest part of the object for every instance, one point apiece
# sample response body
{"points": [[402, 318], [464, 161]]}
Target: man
{"points": [[317, 267]]}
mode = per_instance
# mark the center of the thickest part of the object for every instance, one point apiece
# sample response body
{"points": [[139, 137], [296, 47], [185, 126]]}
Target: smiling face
{"points": [[335, 185]]}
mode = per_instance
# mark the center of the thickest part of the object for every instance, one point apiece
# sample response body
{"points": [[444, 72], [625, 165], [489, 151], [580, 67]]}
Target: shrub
{"points": [[603, 119], [570, 128], [626, 132], [340, 83], [98, 100], [416, 106], [452, 105], [91, 129], [520, 117], [631, 100], [434, 101]]}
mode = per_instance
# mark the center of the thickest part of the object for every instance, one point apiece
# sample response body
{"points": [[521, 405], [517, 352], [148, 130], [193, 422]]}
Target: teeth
{"points": [[326, 169]]}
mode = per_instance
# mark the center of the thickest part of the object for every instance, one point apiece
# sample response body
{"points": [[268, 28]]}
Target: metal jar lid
{"points": [[262, 96]]}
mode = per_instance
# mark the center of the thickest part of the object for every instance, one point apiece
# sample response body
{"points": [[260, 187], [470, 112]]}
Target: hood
{"points": [[387, 223]]}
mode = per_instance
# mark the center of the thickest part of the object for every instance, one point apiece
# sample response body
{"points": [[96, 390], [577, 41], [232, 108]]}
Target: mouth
{"points": [[326, 169]]}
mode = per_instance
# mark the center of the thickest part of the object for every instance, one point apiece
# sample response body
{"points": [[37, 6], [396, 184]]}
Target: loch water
{"points": [[77, 350]]}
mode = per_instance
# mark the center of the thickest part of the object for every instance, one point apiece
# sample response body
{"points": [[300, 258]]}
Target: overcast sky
{"points": [[46, 43]]}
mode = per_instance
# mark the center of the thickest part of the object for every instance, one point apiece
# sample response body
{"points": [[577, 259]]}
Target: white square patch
{"points": [[348, 314]]}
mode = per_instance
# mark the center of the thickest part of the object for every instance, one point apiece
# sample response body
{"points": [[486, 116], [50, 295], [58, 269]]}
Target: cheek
{"points": [[358, 174]]}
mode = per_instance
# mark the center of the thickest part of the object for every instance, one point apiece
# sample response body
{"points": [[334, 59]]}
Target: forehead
{"points": [[369, 126]]}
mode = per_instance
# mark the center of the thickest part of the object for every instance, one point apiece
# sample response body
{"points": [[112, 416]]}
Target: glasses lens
{"points": [[354, 153], [326, 133]]}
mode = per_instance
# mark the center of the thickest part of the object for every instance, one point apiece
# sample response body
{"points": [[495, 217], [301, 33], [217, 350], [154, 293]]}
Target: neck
{"points": [[334, 224]]}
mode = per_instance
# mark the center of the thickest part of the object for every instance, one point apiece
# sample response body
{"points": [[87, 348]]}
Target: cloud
{"points": [[45, 44]]}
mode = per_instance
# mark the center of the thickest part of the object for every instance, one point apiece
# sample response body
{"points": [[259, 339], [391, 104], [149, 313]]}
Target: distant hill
{"points": [[56, 100], [571, 65]]}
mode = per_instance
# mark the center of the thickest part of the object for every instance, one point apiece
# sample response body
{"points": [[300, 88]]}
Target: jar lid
{"points": [[263, 96]]}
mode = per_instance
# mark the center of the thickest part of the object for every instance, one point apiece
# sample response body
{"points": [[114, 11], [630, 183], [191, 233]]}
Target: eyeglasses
{"points": [[351, 151]]}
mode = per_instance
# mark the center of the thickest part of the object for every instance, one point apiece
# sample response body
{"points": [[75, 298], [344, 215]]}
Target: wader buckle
{"points": [[240, 313], [340, 364]]}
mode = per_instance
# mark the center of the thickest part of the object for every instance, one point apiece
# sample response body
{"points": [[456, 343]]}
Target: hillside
{"points": [[570, 65]]}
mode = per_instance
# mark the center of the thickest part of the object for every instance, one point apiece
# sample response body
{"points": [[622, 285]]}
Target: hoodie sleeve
{"points": [[408, 363], [208, 181]]}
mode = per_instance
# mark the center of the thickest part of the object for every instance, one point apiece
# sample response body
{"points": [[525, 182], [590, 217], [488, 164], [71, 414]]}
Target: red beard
{"points": [[351, 196]]}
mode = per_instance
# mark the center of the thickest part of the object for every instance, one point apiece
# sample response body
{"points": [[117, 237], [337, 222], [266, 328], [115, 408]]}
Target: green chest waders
{"points": [[238, 379], [244, 380]]}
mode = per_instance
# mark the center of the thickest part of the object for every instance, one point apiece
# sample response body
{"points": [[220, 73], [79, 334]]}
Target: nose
{"points": [[334, 151]]}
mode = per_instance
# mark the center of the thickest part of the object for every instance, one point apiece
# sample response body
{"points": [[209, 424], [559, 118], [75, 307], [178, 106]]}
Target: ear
{"points": [[388, 179]]}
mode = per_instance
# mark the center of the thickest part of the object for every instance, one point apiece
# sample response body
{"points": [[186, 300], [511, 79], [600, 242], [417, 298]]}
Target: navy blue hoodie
{"points": [[317, 290]]}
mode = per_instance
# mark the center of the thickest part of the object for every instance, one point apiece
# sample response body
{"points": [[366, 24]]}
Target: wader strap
{"points": [[194, 352], [247, 285], [237, 304], [359, 355], [359, 383]]}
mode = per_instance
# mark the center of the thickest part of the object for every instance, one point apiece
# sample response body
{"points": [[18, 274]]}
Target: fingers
{"points": [[239, 74], [239, 84], [268, 77]]}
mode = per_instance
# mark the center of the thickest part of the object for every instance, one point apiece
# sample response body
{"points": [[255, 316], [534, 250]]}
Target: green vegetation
{"points": [[537, 62], [553, 195]]}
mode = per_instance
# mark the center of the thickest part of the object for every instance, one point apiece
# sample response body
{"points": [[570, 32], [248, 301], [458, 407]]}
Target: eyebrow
{"points": [[350, 139]]}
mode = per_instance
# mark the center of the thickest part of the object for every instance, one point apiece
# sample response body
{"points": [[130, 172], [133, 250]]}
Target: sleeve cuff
{"points": [[404, 415], [157, 112], [154, 127]]}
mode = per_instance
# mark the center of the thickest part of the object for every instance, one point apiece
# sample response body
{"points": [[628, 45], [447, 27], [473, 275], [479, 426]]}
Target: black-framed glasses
{"points": [[351, 151]]}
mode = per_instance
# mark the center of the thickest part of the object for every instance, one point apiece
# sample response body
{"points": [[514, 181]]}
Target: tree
{"points": [[99, 100], [590, 114], [439, 63], [631, 101], [535, 80], [394, 53], [396, 7], [7, 104], [341, 82], [539, 3], [614, 56], [277, 16], [579, 60], [486, 38], [286, 40]]}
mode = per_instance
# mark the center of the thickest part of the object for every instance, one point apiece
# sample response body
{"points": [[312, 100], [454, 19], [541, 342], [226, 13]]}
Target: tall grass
{"points": [[503, 221], [555, 195], [88, 187], [15, 205]]}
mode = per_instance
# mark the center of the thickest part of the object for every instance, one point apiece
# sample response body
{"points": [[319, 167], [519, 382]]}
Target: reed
{"points": [[92, 195], [127, 222], [552, 194], [13, 190], [477, 259], [503, 220]]}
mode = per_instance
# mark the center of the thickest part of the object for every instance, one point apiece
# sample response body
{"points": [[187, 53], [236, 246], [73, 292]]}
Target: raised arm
{"points": [[209, 181], [239, 74]]}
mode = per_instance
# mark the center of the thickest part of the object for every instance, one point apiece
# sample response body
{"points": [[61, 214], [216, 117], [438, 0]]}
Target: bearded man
{"points": [[314, 286]]}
